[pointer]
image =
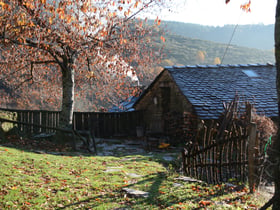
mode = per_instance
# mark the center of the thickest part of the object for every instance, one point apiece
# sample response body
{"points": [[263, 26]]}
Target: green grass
{"points": [[43, 181]]}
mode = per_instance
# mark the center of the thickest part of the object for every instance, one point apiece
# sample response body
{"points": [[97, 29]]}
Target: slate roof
{"points": [[208, 87], [125, 106]]}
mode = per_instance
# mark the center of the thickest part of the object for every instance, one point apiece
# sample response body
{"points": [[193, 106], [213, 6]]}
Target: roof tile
{"points": [[207, 87]]}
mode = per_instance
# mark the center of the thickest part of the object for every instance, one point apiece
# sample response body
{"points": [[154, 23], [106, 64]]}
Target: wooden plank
{"points": [[29, 124], [184, 162], [213, 165], [36, 120], [221, 161], [251, 159]]}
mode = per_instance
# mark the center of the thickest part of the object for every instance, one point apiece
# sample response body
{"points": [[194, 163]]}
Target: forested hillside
{"points": [[253, 36], [181, 50]]}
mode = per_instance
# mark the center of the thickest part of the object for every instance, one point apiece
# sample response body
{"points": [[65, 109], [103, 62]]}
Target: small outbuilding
{"points": [[180, 96]]}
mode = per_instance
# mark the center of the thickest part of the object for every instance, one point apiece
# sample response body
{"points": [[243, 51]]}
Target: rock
{"points": [[187, 179], [269, 189], [44, 135], [135, 193], [177, 185], [168, 158], [113, 169], [222, 203], [132, 175]]}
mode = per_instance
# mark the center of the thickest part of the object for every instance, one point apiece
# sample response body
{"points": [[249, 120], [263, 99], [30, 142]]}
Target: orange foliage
{"points": [[200, 56], [41, 40], [246, 7]]}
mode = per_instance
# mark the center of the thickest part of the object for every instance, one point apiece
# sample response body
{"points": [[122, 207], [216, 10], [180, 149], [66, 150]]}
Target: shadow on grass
{"points": [[45, 146], [155, 199], [152, 199]]}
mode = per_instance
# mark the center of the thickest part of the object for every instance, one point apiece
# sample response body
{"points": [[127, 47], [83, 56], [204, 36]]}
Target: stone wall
{"points": [[165, 109]]}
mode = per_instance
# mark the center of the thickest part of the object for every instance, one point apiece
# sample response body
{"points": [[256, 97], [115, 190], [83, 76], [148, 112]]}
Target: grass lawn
{"points": [[43, 181]]}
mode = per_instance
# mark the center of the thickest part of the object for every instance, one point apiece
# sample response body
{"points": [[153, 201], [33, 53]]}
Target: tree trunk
{"points": [[66, 115], [68, 85], [276, 155]]}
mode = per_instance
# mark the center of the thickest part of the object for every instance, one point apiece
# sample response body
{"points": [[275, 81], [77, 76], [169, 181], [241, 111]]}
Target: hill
{"points": [[252, 36], [180, 50]]}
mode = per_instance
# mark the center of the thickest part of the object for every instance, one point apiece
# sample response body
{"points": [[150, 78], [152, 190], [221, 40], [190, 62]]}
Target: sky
{"points": [[217, 13]]}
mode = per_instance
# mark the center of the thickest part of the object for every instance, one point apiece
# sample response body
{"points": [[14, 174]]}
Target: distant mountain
{"points": [[180, 50], [252, 36]]}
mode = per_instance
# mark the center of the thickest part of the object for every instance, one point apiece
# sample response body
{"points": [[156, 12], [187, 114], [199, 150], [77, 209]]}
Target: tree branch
{"points": [[140, 10], [43, 62], [269, 203], [88, 64], [31, 12]]}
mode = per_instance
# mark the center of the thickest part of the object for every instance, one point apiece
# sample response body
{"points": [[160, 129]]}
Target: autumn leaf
{"points": [[136, 4], [253, 206], [68, 19], [205, 203], [158, 22], [29, 5], [84, 8], [246, 7], [50, 20], [4, 5], [127, 13]]}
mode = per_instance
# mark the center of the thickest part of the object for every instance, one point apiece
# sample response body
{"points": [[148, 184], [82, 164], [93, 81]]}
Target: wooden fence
{"points": [[102, 124], [109, 124], [224, 152], [218, 161]]}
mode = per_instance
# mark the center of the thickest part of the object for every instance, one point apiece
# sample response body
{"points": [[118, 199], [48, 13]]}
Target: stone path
{"points": [[113, 147], [137, 193], [187, 179], [110, 147], [130, 192]]}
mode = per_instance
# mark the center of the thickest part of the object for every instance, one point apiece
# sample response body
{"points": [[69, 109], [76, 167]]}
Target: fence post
{"points": [[184, 162], [251, 156]]}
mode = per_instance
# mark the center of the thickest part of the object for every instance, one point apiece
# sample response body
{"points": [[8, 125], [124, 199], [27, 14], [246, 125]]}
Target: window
{"points": [[251, 73]]}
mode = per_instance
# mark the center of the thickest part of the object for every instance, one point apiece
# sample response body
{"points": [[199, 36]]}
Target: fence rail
{"points": [[102, 124], [225, 151], [217, 162]]}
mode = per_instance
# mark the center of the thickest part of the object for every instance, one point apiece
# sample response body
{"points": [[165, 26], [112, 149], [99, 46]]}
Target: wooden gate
{"points": [[225, 151]]}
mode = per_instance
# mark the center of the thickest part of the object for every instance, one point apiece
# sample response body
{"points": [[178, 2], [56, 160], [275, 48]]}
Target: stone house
{"points": [[180, 96]]}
